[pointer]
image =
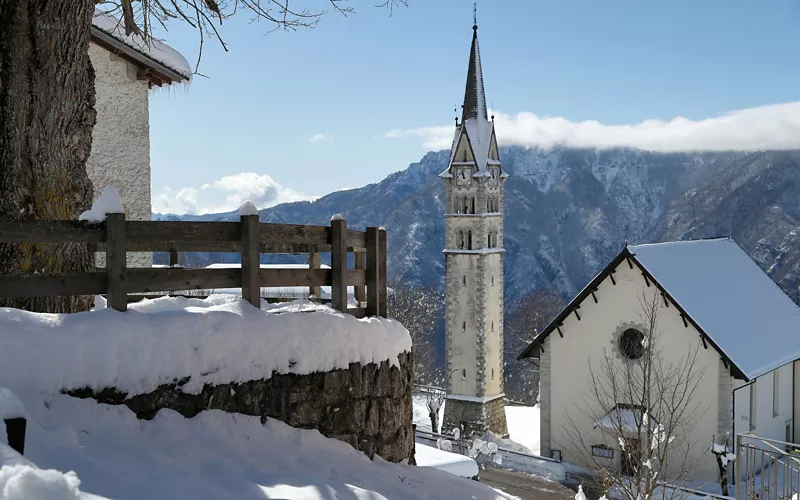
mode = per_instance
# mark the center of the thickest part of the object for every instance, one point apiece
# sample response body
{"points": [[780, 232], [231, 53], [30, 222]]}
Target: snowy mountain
{"points": [[569, 211]]}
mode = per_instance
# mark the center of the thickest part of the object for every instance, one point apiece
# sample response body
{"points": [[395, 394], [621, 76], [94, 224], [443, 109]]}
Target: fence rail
{"points": [[766, 469], [250, 238]]}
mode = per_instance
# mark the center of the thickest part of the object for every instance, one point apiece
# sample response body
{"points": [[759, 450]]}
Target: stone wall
{"points": [[474, 418], [367, 406], [725, 409], [544, 401]]}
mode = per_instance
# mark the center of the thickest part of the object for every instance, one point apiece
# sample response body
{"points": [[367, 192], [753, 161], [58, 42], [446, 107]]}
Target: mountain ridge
{"points": [[569, 211]]}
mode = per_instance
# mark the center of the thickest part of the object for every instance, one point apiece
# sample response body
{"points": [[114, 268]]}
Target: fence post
{"points": [[251, 262], [116, 265], [373, 271], [738, 467], [339, 263], [314, 263], [360, 292], [173, 257], [382, 286]]}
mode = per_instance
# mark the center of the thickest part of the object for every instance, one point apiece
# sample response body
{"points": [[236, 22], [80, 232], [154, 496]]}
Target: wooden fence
{"points": [[249, 237]]}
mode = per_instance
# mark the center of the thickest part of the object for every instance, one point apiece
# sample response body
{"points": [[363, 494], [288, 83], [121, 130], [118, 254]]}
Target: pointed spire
{"points": [[474, 96]]}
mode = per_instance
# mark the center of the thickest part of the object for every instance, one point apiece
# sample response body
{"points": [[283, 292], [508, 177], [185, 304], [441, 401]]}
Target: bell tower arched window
{"points": [[461, 240], [469, 240]]}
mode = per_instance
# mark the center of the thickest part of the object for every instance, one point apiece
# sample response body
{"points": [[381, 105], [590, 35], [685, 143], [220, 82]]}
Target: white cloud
{"points": [[225, 195], [433, 137], [320, 137], [765, 127]]}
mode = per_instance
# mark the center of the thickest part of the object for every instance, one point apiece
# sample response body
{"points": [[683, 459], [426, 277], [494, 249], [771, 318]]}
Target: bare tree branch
{"points": [[420, 309], [523, 321], [139, 16], [642, 407]]}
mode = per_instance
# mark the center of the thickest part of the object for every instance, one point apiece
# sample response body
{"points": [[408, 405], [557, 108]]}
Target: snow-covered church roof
{"points": [[475, 125], [738, 305], [168, 64], [719, 289]]}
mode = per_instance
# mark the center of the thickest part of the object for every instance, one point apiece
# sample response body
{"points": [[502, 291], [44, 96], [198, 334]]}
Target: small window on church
{"points": [[461, 239], [492, 325], [489, 241], [492, 373], [464, 280], [602, 451], [632, 343], [469, 240], [472, 205], [493, 280], [464, 374], [464, 327]]}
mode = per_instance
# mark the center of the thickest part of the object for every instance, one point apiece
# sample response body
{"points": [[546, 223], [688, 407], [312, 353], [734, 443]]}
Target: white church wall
{"points": [[773, 409], [120, 153], [584, 343]]}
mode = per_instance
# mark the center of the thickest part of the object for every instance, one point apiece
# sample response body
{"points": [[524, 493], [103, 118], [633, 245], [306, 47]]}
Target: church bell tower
{"points": [[473, 184]]}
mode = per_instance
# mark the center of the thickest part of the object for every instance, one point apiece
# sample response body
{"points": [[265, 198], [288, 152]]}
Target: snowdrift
{"points": [[211, 456]]}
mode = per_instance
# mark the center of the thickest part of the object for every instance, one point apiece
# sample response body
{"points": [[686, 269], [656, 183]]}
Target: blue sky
{"points": [[344, 104]]}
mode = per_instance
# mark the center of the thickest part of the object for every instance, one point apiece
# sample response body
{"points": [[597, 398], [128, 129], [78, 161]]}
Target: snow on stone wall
{"points": [[218, 340], [121, 138]]}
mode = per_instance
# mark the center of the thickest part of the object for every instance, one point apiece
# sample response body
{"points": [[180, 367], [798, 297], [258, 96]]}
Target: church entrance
{"points": [[631, 457]]}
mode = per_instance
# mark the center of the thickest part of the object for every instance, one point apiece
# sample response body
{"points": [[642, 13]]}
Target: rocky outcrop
{"points": [[368, 406]]}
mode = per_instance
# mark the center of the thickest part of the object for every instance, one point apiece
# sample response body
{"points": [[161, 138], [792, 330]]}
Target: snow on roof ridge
{"points": [[156, 50], [675, 242]]}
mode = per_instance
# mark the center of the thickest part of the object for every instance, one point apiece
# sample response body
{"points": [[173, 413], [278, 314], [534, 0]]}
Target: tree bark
{"points": [[46, 119]]}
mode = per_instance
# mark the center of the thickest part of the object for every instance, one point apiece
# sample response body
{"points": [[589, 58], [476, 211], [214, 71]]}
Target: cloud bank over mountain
{"points": [[775, 127], [226, 194]]}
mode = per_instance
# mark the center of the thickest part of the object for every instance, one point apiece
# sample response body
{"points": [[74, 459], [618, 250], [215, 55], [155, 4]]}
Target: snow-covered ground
{"points": [[454, 463], [211, 456], [218, 340], [523, 424]]}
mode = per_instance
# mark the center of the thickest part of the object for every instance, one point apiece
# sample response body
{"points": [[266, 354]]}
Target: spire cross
{"points": [[475, 15]]}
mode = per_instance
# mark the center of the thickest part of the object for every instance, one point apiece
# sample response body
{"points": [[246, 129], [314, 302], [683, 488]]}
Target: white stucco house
{"points": [[126, 69], [769, 404], [716, 301]]}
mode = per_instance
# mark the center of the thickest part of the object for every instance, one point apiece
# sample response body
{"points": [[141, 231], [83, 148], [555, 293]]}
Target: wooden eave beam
{"points": [[155, 77]]}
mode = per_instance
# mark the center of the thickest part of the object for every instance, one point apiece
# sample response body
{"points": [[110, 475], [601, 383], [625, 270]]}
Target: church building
{"points": [[473, 184], [719, 324]]}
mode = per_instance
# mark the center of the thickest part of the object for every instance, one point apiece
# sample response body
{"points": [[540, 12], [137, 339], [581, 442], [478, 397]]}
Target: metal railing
{"points": [[766, 469]]}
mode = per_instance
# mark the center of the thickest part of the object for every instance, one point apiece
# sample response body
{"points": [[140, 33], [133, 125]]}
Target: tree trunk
{"points": [[46, 120], [723, 474], [434, 416]]}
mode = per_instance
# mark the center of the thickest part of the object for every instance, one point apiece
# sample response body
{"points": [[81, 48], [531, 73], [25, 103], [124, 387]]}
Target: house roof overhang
{"points": [[154, 72], [535, 347]]}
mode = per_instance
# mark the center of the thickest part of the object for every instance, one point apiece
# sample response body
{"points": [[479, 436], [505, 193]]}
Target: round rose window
{"points": [[632, 343]]}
